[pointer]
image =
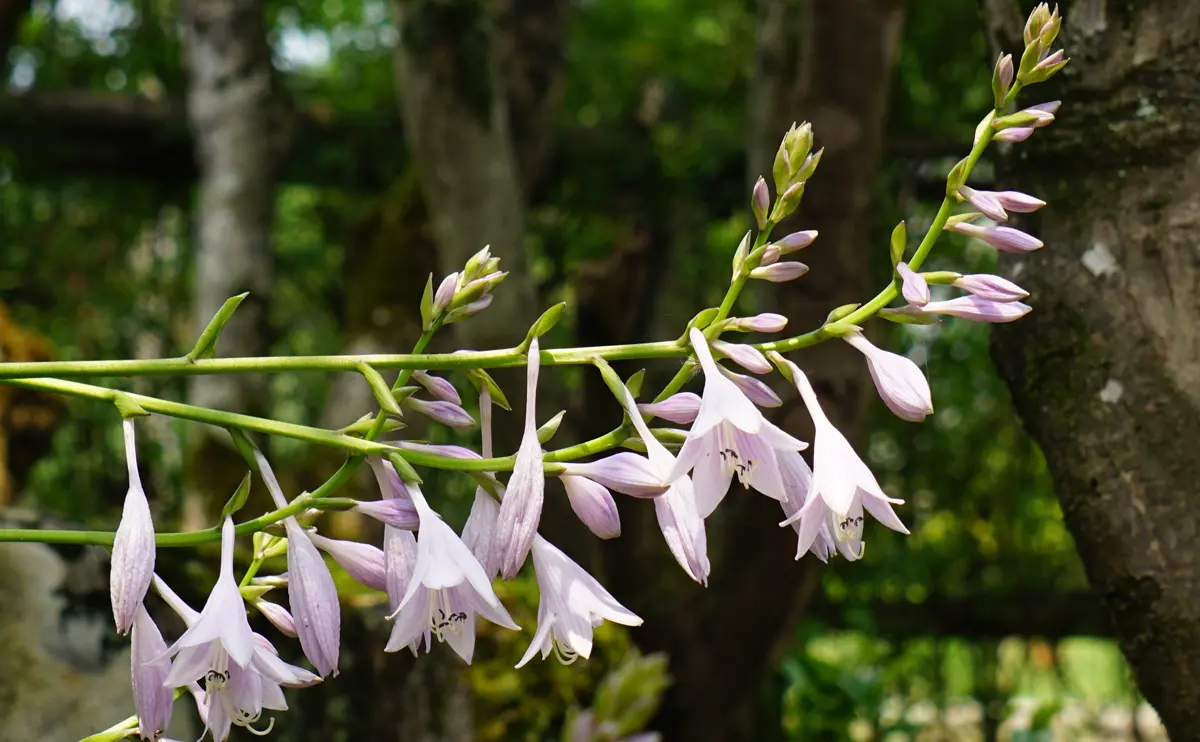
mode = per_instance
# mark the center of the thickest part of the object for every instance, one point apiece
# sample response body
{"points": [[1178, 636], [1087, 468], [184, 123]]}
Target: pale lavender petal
{"points": [[754, 390], [796, 241], [1006, 239], [279, 617], [977, 308], [711, 478], [625, 472], [765, 322], [914, 288], [151, 698], [133, 545], [1018, 202], [439, 387], [395, 513], [985, 202], [521, 509], [364, 562], [445, 413], [445, 292], [314, 600], [1014, 134], [722, 400], [683, 529], [593, 505], [400, 552], [992, 288], [780, 272], [900, 383], [190, 663], [882, 511], [1050, 107], [746, 356], [479, 532], [680, 408], [223, 618], [438, 449], [760, 468]]}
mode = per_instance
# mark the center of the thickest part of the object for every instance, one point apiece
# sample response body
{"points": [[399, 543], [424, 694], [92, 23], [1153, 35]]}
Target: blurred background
{"points": [[158, 156]]}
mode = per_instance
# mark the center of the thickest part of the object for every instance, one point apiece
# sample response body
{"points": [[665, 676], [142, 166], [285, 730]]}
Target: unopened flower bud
{"points": [[445, 293], [444, 412], [760, 201], [799, 142], [627, 473], [781, 171], [809, 166], [780, 272], [788, 202], [395, 512], [1019, 202], [1016, 134], [913, 287], [593, 505], [746, 356], [770, 255], [985, 201], [992, 288], [1002, 79], [438, 387], [766, 322], [279, 617], [473, 308], [1050, 107], [755, 390], [899, 381], [680, 408], [1037, 20], [363, 562], [795, 241], [1006, 239], [977, 308], [739, 256], [474, 267], [1047, 68]]}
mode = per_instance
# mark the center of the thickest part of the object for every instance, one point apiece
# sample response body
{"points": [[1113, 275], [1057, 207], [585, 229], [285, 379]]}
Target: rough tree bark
{"points": [[233, 112], [1106, 369]]}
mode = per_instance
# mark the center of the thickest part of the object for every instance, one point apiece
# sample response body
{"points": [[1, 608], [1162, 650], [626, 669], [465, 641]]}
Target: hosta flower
{"points": [[754, 389], [730, 436], [746, 356], [571, 603], [311, 590], [978, 309], [914, 288], [842, 485], [437, 386], [899, 381], [797, 484], [364, 562], [593, 504], [991, 288], [479, 532], [133, 545], [678, 517], [152, 699], [521, 509], [448, 587], [446, 413], [1005, 239], [399, 545]]}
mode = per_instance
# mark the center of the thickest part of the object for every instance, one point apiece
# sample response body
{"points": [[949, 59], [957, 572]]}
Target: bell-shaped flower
{"points": [[625, 472], [680, 408], [842, 485], [899, 381], [151, 698], [678, 517], [571, 603], [797, 484], [133, 546], [730, 436], [399, 545], [446, 590], [311, 590], [521, 509], [364, 562], [914, 288], [437, 386], [593, 505]]}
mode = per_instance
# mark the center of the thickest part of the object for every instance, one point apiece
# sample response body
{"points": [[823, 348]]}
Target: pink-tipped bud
{"points": [[680, 408], [625, 472], [396, 512], [780, 272], [279, 617], [899, 381], [765, 322], [1050, 107], [760, 201], [796, 241], [1015, 134], [593, 505], [437, 386], [756, 391], [992, 288], [985, 201], [770, 255], [363, 562], [444, 412], [445, 293], [914, 287], [978, 309], [1006, 239], [1018, 202], [746, 356]]}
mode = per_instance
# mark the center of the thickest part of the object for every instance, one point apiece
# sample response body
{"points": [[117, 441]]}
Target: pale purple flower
{"points": [[438, 449], [446, 413], [363, 562], [992, 288], [593, 505], [797, 483], [1014, 134], [311, 590], [479, 532], [521, 509], [985, 201], [913, 287], [757, 391], [1006, 239], [445, 293], [770, 255], [399, 545], [437, 386], [795, 241], [746, 356], [760, 201], [133, 545], [899, 381], [1021, 203], [625, 472], [1050, 61], [678, 516], [780, 272], [397, 513], [680, 408], [1005, 71], [150, 664], [570, 604], [279, 616], [979, 309], [730, 436], [842, 485], [448, 587], [765, 322], [1050, 107]]}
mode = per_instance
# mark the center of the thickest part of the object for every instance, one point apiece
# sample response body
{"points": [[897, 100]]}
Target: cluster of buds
{"points": [[795, 163], [465, 293]]}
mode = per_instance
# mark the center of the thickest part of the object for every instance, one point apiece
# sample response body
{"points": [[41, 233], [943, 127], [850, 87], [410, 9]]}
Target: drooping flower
{"points": [[680, 408], [593, 504], [842, 485], [678, 516], [797, 485], [152, 700], [446, 590], [311, 590], [914, 287], [521, 509], [730, 436], [399, 545], [364, 562], [571, 603], [133, 545], [899, 381], [479, 532]]}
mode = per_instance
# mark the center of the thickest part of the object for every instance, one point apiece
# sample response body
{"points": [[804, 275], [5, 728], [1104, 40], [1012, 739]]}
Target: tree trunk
{"points": [[1105, 370], [232, 112]]}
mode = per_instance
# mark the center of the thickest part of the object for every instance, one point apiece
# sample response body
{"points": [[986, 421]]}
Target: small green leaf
{"points": [[702, 320], [899, 242], [634, 383], [905, 318], [127, 407], [237, 500], [427, 304], [206, 345], [381, 390], [544, 323], [482, 379], [841, 313], [360, 427], [246, 447], [547, 431], [956, 177], [251, 593], [403, 468], [614, 383], [841, 329]]}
